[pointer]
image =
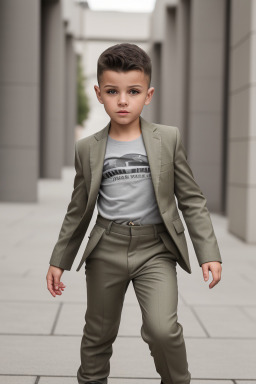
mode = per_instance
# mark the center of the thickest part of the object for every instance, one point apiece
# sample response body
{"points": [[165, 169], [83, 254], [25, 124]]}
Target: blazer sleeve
{"points": [[76, 207], [192, 203]]}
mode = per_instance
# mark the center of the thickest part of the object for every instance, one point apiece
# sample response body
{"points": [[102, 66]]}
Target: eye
{"points": [[134, 91], [111, 91]]}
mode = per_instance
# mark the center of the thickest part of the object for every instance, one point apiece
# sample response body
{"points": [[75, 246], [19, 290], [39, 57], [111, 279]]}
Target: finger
{"points": [[56, 283], [60, 289], [205, 272], [215, 279], [62, 286], [220, 273], [50, 286]]}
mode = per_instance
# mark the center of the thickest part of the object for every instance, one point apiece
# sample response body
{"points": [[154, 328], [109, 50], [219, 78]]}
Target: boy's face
{"points": [[124, 94]]}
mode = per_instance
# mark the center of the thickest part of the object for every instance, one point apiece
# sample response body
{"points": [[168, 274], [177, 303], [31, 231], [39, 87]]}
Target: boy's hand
{"points": [[54, 285], [215, 268]]}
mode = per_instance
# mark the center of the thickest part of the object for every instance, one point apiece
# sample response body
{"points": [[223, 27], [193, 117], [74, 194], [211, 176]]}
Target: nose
{"points": [[122, 99]]}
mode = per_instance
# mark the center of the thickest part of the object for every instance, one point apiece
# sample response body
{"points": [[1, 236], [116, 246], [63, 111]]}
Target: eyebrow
{"points": [[130, 86]]}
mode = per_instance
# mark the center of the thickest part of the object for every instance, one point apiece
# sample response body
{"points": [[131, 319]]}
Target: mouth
{"points": [[123, 112]]}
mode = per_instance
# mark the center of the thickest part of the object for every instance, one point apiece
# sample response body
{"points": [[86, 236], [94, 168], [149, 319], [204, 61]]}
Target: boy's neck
{"points": [[125, 132]]}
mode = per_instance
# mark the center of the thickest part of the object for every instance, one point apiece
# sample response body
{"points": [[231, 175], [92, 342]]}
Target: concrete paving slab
{"points": [[34, 288], [10, 268], [231, 290], [71, 380], [39, 355], [71, 320], [226, 322], [156, 381], [17, 379], [57, 380], [36, 355], [250, 312], [13, 213], [245, 382], [31, 231], [222, 358], [211, 381], [191, 326], [209, 352], [28, 318], [133, 381]]}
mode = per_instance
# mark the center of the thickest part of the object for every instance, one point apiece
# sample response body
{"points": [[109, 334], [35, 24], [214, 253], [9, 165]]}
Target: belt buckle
{"points": [[131, 223]]}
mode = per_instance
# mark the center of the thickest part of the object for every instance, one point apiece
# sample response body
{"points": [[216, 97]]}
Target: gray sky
{"points": [[122, 5]]}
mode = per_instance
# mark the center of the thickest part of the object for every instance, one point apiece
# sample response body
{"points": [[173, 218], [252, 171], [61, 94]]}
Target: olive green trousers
{"points": [[145, 254]]}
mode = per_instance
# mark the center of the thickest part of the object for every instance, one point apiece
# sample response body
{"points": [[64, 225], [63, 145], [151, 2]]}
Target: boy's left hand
{"points": [[215, 268]]}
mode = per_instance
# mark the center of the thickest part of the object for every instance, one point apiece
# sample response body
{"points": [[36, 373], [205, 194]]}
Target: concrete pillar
{"points": [[152, 111], [52, 90], [183, 60], [19, 100], [206, 97], [70, 101], [168, 75], [242, 126]]}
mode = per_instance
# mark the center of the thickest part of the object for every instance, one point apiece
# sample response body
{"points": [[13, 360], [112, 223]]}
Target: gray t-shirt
{"points": [[126, 191]]}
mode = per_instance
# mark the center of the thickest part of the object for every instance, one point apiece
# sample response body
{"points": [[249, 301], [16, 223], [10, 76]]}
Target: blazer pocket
{"points": [[178, 225]]}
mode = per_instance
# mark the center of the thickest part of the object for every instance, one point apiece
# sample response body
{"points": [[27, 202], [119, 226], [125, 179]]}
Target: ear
{"points": [[98, 93], [149, 96]]}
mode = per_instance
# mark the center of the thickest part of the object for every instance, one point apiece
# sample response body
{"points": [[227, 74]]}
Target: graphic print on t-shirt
{"points": [[129, 167]]}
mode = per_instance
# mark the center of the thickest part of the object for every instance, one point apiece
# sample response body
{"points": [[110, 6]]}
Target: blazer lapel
{"points": [[152, 142], [97, 154]]}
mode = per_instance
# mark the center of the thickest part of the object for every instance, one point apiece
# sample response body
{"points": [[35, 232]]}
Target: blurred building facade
{"points": [[40, 42], [102, 29], [38, 93], [204, 60], [204, 69]]}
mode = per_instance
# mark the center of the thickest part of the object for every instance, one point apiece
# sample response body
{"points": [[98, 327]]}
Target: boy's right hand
{"points": [[54, 285]]}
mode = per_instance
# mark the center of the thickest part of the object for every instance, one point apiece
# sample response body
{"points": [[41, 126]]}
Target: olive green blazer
{"points": [[171, 177]]}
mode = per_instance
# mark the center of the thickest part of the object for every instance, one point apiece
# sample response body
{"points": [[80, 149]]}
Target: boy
{"points": [[136, 169]]}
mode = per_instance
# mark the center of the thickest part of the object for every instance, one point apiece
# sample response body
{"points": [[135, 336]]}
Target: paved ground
{"points": [[40, 335]]}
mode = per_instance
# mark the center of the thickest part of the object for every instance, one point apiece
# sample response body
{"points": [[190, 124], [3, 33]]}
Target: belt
{"points": [[130, 228]]}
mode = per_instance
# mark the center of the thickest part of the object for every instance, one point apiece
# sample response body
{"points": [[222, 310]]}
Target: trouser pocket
{"points": [[169, 245]]}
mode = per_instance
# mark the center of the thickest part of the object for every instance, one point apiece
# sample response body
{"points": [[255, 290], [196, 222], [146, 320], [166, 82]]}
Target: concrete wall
{"points": [[70, 100], [19, 99], [188, 50], [204, 60], [52, 90], [39, 42], [116, 26], [37, 93], [242, 127], [206, 97]]}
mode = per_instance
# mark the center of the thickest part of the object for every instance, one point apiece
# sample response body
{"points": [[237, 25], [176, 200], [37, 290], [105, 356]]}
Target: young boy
{"points": [[135, 169]]}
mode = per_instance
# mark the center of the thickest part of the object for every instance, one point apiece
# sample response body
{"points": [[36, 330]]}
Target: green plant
{"points": [[83, 106]]}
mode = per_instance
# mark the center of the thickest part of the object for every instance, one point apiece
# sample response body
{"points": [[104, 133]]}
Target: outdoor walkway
{"points": [[40, 335]]}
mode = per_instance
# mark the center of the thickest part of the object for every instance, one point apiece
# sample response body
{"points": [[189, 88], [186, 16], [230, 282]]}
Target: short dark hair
{"points": [[124, 57]]}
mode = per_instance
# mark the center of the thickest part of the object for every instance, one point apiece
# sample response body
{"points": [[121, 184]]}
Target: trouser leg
{"points": [[106, 280], [157, 292]]}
